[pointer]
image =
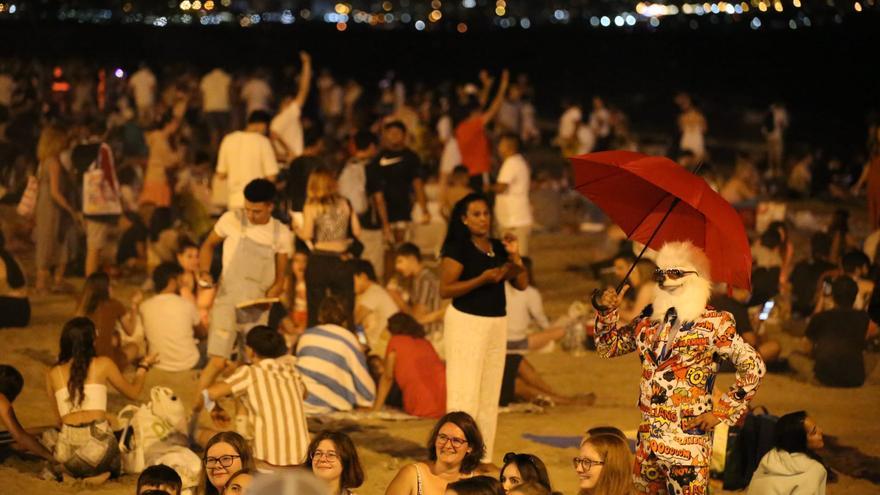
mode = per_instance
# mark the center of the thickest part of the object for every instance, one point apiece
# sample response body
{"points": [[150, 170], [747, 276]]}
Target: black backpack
{"points": [[746, 446]]}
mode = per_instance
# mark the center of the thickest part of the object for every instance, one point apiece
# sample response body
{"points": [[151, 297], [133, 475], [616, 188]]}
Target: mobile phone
{"points": [[361, 335], [765, 311]]}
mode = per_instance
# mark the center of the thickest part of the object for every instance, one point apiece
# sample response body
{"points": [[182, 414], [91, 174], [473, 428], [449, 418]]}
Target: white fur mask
{"points": [[690, 294]]}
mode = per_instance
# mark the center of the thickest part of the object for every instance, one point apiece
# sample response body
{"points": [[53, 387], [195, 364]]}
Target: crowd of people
{"points": [[307, 255]]}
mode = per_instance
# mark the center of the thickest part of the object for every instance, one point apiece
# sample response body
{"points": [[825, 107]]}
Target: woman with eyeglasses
{"points": [[604, 466], [455, 448], [473, 270], [226, 453], [334, 460], [519, 469]]}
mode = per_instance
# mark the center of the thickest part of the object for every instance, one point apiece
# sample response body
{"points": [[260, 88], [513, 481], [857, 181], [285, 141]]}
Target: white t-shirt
{"points": [[215, 91], [243, 157], [568, 123], [512, 208], [289, 128], [168, 322], [522, 307], [143, 86], [353, 184], [256, 93], [229, 228], [377, 300]]}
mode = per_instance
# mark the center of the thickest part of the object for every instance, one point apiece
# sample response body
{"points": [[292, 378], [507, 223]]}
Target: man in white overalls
{"points": [[256, 248]]}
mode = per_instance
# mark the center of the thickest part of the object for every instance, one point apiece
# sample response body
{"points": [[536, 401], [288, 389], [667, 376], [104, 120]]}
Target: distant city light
{"points": [[119, 73], [420, 25], [469, 4], [756, 23]]}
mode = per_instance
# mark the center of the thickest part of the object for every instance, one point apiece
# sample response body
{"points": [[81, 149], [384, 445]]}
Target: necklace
{"points": [[490, 253]]}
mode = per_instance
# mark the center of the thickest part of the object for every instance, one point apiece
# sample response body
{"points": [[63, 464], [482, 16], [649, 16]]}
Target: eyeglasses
{"points": [[585, 463], [671, 274], [456, 442], [328, 456], [223, 461]]}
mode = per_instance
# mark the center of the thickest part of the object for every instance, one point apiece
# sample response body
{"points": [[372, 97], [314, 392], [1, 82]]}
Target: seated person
{"points": [[805, 276], [273, 392], [159, 477], [416, 290], [15, 309], [458, 185], [374, 306], [414, 366], [190, 289], [333, 364], [172, 325], [640, 281], [521, 380], [131, 252], [109, 315], [836, 338], [11, 383], [742, 187], [856, 265], [292, 313]]}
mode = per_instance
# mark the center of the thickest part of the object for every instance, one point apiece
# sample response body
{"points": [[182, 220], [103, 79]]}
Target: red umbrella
{"points": [[655, 200]]}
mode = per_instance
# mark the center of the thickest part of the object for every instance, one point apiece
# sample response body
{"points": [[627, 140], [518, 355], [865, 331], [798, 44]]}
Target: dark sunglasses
{"points": [[671, 274]]}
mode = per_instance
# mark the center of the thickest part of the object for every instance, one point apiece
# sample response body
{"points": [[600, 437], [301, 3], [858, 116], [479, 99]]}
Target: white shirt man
{"points": [[256, 94], [170, 322], [215, 91], [379, 305], [273, 233], [143, 87], [287, 128], [245, 156], [512, 207]]}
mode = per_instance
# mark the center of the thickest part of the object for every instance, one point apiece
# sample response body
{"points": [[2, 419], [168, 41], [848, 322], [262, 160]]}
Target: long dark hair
{"points": [[472, 433], [458, 233], [14, 275], [790, 435], [95, 291], [352, 472], [531, 468], [77, 347]]}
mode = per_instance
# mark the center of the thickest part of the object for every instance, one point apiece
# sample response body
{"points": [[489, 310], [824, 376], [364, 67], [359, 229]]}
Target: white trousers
{"points": [[475, 350]]}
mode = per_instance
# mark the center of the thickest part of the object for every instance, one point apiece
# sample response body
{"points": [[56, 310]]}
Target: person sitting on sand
{"points": [[604, 466], [11, 383], [159, 477], [519, 469], [77, 383], [335, 461], [455, 448], [15, 308], [414, 366], [478, 485], [792, 467]]}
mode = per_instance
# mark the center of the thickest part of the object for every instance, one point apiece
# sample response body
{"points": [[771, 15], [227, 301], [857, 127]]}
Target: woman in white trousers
{"points": [[473, 271]]}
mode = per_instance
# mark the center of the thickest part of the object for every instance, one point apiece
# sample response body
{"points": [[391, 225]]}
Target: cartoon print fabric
{"points": [[678, 377]]}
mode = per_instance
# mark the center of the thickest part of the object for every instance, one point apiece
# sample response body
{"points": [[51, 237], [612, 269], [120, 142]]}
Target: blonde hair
{"points": [[53, 140], [616, 475], [321, 187]]}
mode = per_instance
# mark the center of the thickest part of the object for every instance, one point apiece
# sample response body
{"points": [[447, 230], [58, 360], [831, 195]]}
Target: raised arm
{"points": [[305, 79], [492, 111]]}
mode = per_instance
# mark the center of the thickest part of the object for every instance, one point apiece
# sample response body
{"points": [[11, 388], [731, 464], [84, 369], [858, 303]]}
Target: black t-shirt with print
{"points": [[488, 299], [392, 173]]}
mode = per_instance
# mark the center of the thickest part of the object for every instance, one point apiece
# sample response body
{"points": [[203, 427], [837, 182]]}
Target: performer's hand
{"points": [[611, 299], [706, 422]]}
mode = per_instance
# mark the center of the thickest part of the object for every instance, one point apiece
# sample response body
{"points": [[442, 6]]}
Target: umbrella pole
{"points": [[654, 234], [645, 248]]}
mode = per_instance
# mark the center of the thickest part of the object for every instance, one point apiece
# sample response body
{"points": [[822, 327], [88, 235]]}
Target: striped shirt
{"points": [[274, 391], [334, 369]]}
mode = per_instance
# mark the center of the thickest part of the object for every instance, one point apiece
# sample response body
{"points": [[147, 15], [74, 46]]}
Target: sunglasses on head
{"points": [[671, 274]]}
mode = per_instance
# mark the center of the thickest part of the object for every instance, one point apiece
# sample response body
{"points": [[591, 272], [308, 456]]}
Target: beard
{"points": [[689, 299]]}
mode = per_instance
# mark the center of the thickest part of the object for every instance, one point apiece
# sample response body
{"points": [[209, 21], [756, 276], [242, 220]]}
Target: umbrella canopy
{"points": [[636, 191]]}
